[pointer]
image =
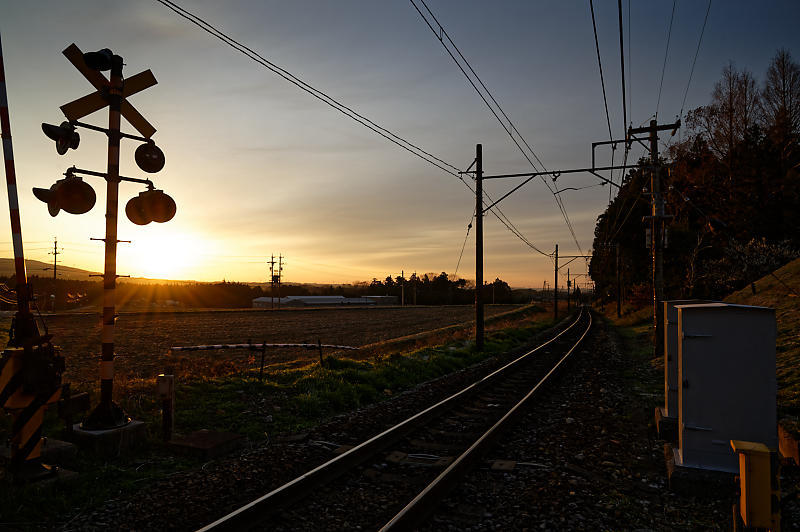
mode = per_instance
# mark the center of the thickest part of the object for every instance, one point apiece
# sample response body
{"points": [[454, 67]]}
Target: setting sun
{"points": [[161, 253]]}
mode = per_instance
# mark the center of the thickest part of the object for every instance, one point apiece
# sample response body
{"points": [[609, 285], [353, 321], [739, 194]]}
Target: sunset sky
{"points": [[258, 167]]}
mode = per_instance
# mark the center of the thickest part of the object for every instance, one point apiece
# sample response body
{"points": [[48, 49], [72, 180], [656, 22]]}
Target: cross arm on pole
{"points": [[663, 127], [556, 173]]}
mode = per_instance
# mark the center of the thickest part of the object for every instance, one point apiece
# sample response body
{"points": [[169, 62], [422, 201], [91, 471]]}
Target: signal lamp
{"points": [[159, 206], [65, 136], [100, 60], [48, 195], [75, 196], [70, 194], [150, 206], [149, 157], [134, 210]]}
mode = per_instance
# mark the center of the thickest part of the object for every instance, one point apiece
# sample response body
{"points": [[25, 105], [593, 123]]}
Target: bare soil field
{"points": [[143, 340]]}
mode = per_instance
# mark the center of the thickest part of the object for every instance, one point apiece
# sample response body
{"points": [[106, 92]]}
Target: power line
{"points": [[464, 245], [630, 64], [330, 101], [694, 61], [510, 129], [320, 95], [666, 54], [622, 69], [600, 65], [603, 86]]}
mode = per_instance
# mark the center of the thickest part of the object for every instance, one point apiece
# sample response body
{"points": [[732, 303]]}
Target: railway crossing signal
{"points": [[73, 195]]}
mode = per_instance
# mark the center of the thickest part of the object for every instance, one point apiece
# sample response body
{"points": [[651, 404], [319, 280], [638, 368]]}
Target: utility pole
{"points": [[280, 272], [555, 288], [402, 288], [55, 255], [479, 247], [272, 282], [619, 286], [568, 285], [656, 217], [414, 288]]}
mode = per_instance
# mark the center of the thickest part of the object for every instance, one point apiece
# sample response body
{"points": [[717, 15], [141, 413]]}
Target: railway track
{"points": [[420, 460]]}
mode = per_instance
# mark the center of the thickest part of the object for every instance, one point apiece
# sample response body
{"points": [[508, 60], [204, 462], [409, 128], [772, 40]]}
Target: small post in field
{"points": [[165, 385], [263, 352], [319, 344]]}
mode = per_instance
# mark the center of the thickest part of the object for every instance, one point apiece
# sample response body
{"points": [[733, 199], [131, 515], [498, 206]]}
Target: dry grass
{"points": [[781, 290]]}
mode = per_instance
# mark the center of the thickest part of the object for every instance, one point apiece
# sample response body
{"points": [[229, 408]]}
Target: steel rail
{"points": [[252, 513], [428, 499]]}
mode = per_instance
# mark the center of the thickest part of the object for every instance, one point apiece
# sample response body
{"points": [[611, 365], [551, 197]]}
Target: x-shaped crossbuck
{"points": [[95, 101]]}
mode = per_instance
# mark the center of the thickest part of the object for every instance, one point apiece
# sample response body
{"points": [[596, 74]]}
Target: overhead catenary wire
{"points": [[464, 245], [666, 54], [600, 66], [330, 101], [630, 66], [510, 129], [320, 95], [694, 61], [622, 71], [603, 86]]}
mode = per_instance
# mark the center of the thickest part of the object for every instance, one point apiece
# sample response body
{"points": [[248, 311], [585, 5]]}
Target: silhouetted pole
{"points": [[107, 414], [619, 287], [657, 212], [402, 288], [656, 224], [280, 274], [568, 285], [555, 288], [272, 282], [479, 247], [24, 327], [55, 258]]}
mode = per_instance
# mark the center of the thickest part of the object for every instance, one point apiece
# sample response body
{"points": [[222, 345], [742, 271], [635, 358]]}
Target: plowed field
{"points": [[143, 339]]}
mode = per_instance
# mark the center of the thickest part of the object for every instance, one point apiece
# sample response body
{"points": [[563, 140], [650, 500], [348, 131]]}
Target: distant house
{"points": [[320, 301]]}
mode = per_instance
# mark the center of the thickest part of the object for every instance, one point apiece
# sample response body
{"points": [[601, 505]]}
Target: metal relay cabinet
{"points": [[726, 367], [671, 354]]}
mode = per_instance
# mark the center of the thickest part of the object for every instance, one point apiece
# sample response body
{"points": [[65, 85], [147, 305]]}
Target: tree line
{"points": [[733, 187], [427, 289]]}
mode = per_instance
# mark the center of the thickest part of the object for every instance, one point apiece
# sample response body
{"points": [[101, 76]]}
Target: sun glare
{"points": [[164, 255]]}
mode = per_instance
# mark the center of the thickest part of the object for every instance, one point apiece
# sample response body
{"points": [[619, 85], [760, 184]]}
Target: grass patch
{"points": [[781, 290]]}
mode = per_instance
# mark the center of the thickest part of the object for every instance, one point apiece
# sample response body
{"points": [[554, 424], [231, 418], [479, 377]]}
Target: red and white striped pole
{"points": [[24, 326]]}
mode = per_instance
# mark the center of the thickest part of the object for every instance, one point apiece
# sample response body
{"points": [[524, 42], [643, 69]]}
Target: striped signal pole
{"points": [[108, 414], [29, 357], [25, 326]]}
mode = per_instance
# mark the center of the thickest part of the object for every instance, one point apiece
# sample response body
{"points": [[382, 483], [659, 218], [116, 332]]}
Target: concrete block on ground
{"points": [[695, 482], [666, 426], [110, 442], [208, 444]]}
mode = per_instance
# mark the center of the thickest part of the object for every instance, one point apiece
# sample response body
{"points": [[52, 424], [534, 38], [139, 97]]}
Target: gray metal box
{"points": [[726, 366], [671, 353]]}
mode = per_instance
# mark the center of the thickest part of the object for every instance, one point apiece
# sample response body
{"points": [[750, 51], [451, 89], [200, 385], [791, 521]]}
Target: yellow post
{"points": [[759, 500]]}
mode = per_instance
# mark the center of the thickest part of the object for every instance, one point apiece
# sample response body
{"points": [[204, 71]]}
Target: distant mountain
{"points": [[43, 269], [35, 267]]}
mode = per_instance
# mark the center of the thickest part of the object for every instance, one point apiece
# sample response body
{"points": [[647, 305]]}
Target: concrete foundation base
{"points": [[208, 444], [666, 426], [696, 482], [111, 442]]}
